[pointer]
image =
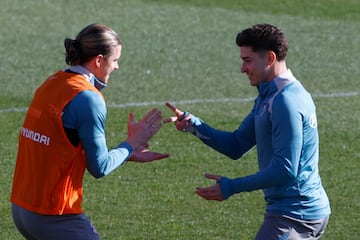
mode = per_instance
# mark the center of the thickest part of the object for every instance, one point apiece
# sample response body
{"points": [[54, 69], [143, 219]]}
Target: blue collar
{"points": [[276, 84]]}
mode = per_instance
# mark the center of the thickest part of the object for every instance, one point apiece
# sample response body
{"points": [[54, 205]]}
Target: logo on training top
{"points": [[35, 136], [313, 120]]}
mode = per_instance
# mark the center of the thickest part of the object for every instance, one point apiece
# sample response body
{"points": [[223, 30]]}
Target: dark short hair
{"points": [[93, 40], [264, 37]]}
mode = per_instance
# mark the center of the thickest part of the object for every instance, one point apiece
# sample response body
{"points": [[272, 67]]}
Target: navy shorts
{"points": [[282, 227], [56, 227]]}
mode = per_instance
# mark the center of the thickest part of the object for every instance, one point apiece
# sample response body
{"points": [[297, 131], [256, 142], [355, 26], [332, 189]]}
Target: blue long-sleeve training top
{"points": [[86, 113], [283, 127]]}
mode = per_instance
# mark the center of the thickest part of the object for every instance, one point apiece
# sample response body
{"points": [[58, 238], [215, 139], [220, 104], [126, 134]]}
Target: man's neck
{"points": [[277, 69]]}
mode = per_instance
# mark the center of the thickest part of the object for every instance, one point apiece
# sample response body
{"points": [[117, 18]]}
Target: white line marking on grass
{"points": [[193, 101], [333, 95], [23, 109], [190, 101]]}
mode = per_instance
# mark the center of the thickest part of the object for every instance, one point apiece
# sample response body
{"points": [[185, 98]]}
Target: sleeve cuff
{"points": [[195, 123], [127, 146], [225, 186]]}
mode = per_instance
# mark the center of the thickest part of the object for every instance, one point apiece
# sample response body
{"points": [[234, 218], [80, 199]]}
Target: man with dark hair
{"points": [[283, 127]]}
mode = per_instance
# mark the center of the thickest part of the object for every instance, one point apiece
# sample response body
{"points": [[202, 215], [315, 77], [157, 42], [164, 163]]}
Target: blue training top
{"points": [[283, 126], [86, 113]]}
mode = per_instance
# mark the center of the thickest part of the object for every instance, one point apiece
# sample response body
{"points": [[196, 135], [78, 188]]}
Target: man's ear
{"points": [[98, 60], [271, 57]]}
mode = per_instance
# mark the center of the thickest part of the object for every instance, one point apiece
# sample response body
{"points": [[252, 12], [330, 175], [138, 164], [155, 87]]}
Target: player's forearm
{"points": [[232, 144], [100, 161], [276, 174]]}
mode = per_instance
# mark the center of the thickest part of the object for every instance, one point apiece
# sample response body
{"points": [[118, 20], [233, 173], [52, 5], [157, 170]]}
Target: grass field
{"points": [[184, 52]]}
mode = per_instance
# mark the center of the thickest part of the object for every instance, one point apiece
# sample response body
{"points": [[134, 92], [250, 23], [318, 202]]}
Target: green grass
{"points": [[183, 50]]}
